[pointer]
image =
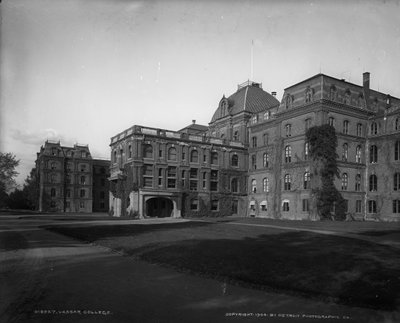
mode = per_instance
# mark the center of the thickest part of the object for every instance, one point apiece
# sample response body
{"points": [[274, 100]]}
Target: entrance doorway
{"points": [[159, 207]]}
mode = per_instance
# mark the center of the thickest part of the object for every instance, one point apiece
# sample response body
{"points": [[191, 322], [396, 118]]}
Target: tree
{"points": [[8, 163], [31, 190]]}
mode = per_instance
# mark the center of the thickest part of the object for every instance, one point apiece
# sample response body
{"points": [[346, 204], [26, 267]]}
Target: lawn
{"points": [[328, 267]]}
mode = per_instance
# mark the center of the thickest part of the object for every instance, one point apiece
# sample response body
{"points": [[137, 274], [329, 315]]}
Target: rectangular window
{"points": [[214, 181], [306, 206], [358, 206], [396, 206], [82, 193], [214, 205], [171, 177], [160, 153], [82, 204], [359, 129], [193, 180], [371, 206], [286, 206], [254, 142], [183, 179], [68, 192], [194, 205]]}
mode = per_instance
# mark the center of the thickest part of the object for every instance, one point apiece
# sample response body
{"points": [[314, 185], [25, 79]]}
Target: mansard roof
{"points": [[249, 97]]}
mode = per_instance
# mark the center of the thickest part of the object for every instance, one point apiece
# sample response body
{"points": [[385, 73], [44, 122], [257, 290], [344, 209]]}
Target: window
{"points": [[373, 154], [82, 193], [288, 154], [171, 177], [69, 153], [306, 151], [396, 206], [265, 160], [345, 181], [160, 176], [371, 206], [235, 160], [147, 151], [83, 167], [53, 192], [357, 187], [265, 139], [397, 124], [254, 142], [148, 175], [396, 182], [183, 155], [287, 182], [68, 179], [214, 158], [52, 178], [193, 179], [345, 152], [345, 127], [69, 167], [172, 154], [235, 206], [358, 206], [114, 156], [267, 114], [234, 185], [254, 186], [83, 154], [374, 128], [214, 181], [331, 121], [160, 153], [130, 151], [53, 165], [254, 119], [83, 180], [52, 204], [306, 205], [288, 130], [236, 136], [205, 157], [397, 150], [307, 180], [373, 183], [307, 124], [68, 192], [265, 185], [253, 162], [358, 154], [194, 156], [183, 179], [54, 151], [359, 129], [67, 204], [214, 205], [285, 206], [204, 181], [81, 204], [263, 205]]}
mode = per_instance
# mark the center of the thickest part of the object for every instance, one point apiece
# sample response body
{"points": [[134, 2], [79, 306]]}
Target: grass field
{"points": [[358, 269]]}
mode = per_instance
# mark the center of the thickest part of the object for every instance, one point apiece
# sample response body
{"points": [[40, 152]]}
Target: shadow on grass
{"points": [[93, 233], [378, 233], [348, 271]]}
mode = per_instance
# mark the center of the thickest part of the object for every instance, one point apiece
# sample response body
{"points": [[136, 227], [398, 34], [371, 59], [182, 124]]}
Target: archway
{"points": [[159, 207]]}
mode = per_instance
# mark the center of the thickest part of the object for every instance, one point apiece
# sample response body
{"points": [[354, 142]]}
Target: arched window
{"points": [[194, 156], [397, 150], [373, 154], [345, 181], [358, 154], [358, 183], [235, 160], [254, 186], [172, 153], [234, 185], [345, 152], [147, 151], [53, 192], [307, 180], [287, 182], [374, 128], [288, 154], [345, 127], [265, 160], [396, 182], [373, 183], [265, 185], [214, 158]]}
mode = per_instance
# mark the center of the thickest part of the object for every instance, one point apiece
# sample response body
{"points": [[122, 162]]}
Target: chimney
{"points": [[366, 87], [273, 93], [193, 121]]}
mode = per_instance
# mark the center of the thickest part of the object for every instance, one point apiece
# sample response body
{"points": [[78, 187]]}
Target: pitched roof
{"points": [[251, 98], [194, 129]]}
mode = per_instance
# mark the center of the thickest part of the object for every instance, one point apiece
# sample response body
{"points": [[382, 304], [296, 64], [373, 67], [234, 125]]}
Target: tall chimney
{"points": [[273, 93], [366, 88], [193, 121]]}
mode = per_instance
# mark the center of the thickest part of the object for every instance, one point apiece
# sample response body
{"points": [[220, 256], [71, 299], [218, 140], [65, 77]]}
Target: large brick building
{"points": [[253, 158], [70, 180]]}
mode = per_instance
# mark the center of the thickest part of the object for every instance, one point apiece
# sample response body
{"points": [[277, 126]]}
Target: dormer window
{"points": [[83, 154], [254, 119]]}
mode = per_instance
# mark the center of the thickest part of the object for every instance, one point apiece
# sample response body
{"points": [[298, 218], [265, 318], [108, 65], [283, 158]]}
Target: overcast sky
{"points": [[84, 70]]}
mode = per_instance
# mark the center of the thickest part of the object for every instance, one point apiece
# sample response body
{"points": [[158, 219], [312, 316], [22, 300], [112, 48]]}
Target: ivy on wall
{"points": [[323, 142]]}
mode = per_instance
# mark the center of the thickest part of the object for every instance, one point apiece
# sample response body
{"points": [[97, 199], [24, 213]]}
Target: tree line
{"points": [[11, 196]]}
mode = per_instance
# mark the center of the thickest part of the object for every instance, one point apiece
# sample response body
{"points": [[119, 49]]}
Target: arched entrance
{"points": [[159, 207]]}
